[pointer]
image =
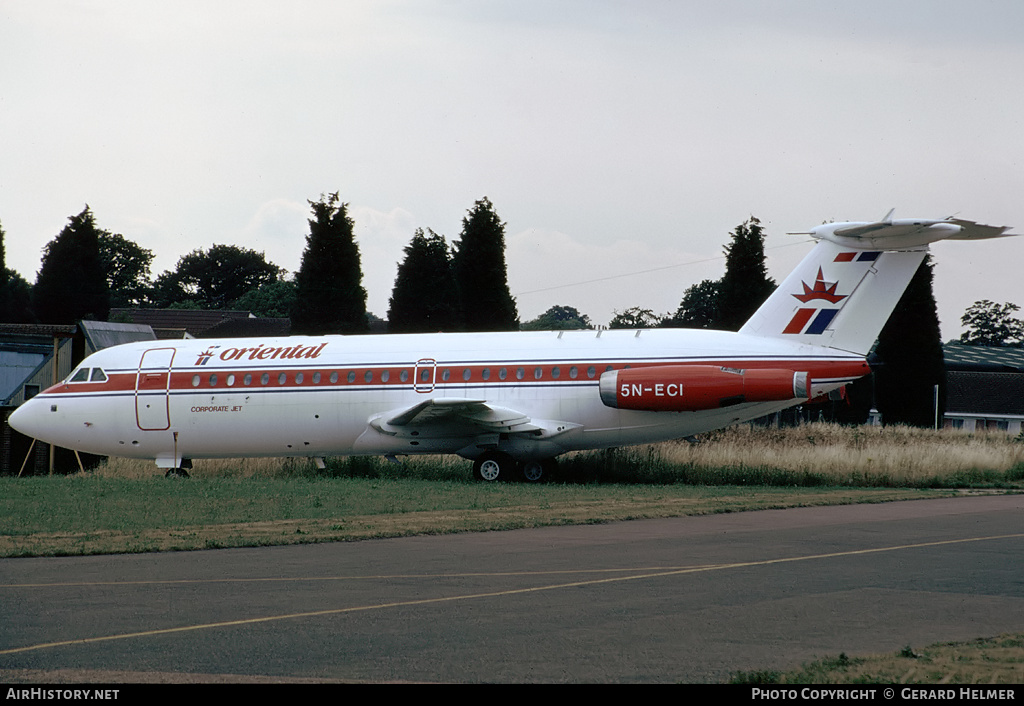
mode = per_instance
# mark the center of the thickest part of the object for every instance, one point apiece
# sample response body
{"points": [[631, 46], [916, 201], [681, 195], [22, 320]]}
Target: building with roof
{"points": [[984, 388], [204, 323], [34, 357]]}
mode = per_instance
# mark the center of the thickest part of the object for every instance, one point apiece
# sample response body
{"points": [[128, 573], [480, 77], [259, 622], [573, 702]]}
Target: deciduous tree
{"points": [[699, 307], [128, 269], [991, 324], [559, 318], [274, 299], [214, 278], [634, 317]]}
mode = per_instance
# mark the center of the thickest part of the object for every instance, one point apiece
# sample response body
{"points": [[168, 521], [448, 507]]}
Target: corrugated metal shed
{"points": [[104, 334]]}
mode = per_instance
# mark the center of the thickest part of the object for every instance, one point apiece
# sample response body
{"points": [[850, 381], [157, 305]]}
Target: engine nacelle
{"points": [[688, 388]]}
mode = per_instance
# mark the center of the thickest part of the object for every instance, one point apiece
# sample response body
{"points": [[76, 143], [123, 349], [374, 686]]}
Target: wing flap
{"points": [[455, 416]]}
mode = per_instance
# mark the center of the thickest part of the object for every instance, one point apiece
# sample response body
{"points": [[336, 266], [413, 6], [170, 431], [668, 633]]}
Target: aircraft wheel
{"points": [[535, 471], [176, 473], [492, 467]]}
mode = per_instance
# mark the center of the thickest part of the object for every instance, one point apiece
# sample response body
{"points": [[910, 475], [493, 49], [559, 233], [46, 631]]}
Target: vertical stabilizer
{"points": [[838, 297], [842, 293]]}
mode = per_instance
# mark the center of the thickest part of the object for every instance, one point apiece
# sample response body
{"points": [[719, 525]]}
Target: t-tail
{"points": [[842, 293]]}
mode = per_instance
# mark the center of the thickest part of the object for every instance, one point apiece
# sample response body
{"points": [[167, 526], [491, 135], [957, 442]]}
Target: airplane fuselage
{"points": [[326, 396]]}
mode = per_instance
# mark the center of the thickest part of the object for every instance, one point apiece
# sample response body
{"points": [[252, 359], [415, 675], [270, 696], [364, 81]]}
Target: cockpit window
{"points": [[89, 374]]}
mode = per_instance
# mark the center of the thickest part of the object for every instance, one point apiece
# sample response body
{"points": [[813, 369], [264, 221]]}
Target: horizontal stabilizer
{"points": [[978, 231], [905, 233]]}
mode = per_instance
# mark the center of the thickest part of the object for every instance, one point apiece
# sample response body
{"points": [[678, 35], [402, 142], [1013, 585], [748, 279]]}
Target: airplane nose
{"points": [[29, 419]]}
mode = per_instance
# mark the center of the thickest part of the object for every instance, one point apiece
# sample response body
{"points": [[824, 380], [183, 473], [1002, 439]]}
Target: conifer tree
{"points": [[71, 284], [15, 292], [909, 357], [329, 292], [5, 288], [424, 296], [480, 273], [746, 283]]}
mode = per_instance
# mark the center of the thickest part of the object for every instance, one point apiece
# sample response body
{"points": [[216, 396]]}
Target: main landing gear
{"points": [[499, 466], [181, 471]]}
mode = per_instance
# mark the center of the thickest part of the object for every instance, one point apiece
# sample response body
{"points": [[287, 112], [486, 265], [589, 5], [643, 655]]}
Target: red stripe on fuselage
{"points": [[205, 379]]}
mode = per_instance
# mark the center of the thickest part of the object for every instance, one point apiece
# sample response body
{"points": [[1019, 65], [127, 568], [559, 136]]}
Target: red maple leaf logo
{"points": [[820, 291]]}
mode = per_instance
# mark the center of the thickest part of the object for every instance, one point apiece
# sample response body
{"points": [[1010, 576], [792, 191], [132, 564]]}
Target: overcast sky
{"points": [[620, 142]]}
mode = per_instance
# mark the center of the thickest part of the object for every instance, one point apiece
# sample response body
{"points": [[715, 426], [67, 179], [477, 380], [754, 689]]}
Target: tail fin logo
{"points": [[821, 290], [815, 321]]}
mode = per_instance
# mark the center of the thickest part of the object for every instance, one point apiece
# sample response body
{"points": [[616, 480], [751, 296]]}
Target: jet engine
{"points": [[688, 388]]}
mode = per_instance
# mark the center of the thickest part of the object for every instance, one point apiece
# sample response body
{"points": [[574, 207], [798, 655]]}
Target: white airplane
{"points": [[511, 402]]}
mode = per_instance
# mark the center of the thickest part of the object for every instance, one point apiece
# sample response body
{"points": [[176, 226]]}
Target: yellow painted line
{"points": [[657, 573], [368, 577]]}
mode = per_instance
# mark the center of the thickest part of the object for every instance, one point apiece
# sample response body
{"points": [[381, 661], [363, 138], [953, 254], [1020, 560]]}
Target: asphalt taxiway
{"points": [[681, 600]]}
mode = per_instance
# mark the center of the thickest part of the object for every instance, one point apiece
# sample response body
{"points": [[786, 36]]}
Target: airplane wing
{"points": [[456, 417]]}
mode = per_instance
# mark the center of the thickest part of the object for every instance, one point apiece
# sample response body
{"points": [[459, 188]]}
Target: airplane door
{"points": [[152, 390], [425, 376]]}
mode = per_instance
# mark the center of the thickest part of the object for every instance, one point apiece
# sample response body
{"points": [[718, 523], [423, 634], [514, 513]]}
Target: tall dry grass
{"points": [[828, 454], [810, 455]]}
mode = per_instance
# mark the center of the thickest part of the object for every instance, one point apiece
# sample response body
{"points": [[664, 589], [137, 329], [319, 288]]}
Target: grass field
{"points": [[995, 660], [128, 506]]}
